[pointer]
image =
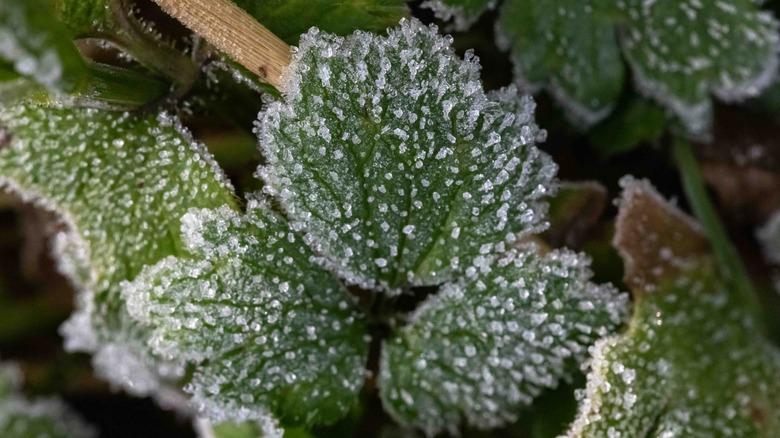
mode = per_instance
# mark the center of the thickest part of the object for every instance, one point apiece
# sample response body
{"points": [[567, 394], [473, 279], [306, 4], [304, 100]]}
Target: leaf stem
{"points": [[726, 255], [234, 32]]}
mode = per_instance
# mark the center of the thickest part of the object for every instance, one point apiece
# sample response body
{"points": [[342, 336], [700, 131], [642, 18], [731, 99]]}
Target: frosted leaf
{"points": [[120, 183], [680, 51], [692, 362], [387, 153], [268, 331], [20, 417], [569, 47], [487, 345], [769, 235], [463, 12], [39, 46]]}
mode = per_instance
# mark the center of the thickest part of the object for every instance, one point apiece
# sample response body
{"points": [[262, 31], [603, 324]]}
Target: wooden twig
{"points": [[233, 31]]}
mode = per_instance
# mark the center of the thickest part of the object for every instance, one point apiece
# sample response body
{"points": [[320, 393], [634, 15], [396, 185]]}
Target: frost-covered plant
{"points": [[679, 51], [391, 246]]}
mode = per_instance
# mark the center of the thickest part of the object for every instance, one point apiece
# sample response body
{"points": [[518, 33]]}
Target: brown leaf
{"points": [[655, 239]]}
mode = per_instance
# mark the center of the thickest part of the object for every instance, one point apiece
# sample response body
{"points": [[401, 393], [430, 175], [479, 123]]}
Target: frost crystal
{"points": [[388, 154], [120, 184], [488, 344], [692, 362], [267, 329]]}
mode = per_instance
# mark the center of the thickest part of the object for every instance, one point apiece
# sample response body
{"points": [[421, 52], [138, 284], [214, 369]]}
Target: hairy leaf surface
{"points": [[400, 169], [692, 362], [487, 345], [120, 183], [268, 330]]}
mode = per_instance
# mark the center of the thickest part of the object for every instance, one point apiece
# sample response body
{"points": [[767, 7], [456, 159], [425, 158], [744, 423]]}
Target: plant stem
{"points": [[234, 32], [726, 255]]}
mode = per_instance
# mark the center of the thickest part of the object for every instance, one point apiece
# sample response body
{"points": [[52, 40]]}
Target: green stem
{"points": [[726, 255]]}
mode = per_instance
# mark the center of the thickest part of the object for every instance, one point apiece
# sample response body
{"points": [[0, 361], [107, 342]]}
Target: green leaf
{"points": [[268, 330], [680, 52], [39, 46], [398, 167], [485, 346], [86, 18], [463, 12], [120, 183], [288, 19], [22, 418], [634, 121], [693, 362], [119, 88], [569, 47]]}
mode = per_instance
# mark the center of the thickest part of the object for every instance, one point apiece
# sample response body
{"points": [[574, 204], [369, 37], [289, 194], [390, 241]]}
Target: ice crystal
{"points": [[267, 329], [120, 183], [692, 362], [488, 344], [387, 153]]}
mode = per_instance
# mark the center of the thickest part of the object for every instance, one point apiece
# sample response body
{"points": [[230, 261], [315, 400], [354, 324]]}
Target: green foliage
{"points": [[288, 19], [396, 258], [247, 305], [634, 121], [679, 52], [120, 182], [692, 362], [39, 46], [87, 17], [569, 47], [488, 344], [392, 159]]}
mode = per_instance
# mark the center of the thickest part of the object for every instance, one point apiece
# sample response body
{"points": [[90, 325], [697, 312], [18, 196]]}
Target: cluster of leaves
{"points": [[679, 52], [388, 174]]}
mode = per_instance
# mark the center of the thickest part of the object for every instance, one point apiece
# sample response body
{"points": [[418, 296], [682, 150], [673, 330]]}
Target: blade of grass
{"points": [[726, 255]]}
